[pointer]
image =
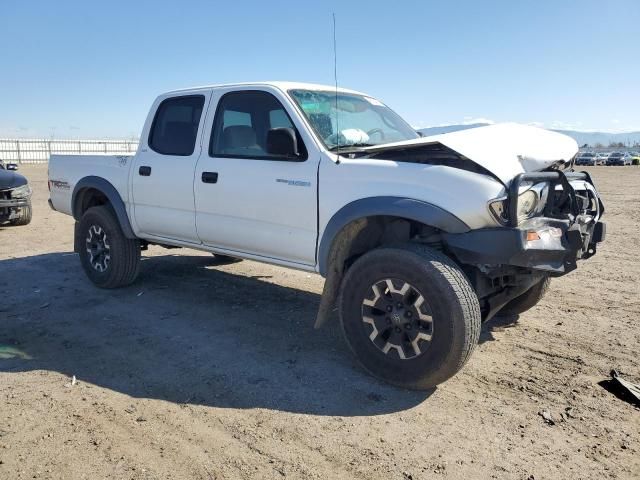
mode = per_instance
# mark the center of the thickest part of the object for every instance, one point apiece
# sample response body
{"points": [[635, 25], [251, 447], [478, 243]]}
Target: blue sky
{"points": [[91, 69]]}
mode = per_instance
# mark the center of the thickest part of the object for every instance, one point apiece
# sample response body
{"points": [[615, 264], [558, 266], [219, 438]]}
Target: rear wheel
{"points": [[527, 300], [410, 315], [23, 218], [109, 259]]}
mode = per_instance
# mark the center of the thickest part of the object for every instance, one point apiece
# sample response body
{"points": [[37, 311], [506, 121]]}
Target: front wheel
{"points": [[109, 259], [410, 315]]}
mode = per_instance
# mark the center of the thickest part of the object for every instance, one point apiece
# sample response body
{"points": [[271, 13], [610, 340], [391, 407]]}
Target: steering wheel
{"points": [[379, 131]]}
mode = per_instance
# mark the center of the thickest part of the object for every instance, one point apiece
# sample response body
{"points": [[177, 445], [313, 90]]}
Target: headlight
{"points": [[21, 192], [527, 203], [531, 202]]}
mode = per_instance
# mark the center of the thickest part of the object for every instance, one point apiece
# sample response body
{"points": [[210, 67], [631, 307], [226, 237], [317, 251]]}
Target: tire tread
{"points": [[460, 292], [125, 256]]}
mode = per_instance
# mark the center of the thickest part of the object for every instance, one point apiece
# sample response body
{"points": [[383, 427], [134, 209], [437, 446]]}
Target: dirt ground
{"points": [[208, 371]]}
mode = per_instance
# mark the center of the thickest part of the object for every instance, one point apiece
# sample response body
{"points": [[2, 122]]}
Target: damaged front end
{"points": [[546, 220], [15, 194], [12, 202], [550, 220]]}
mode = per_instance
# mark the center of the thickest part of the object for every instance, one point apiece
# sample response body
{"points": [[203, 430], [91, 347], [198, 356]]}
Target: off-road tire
{"points": [[452, 303], [124, 263], [527, 300], [24, 217]]}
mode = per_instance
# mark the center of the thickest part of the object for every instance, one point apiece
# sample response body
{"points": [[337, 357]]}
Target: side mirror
{"points": [[282, 142], [12, 166]]}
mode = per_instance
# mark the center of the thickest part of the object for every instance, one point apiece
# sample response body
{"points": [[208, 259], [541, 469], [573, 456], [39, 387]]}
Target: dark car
{"points": [[618, 158], [15, 196], [586, 158]]}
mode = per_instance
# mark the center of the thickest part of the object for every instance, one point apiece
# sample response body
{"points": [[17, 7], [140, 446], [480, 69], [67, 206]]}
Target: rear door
{"points": [[248, 200], [162, 176]]}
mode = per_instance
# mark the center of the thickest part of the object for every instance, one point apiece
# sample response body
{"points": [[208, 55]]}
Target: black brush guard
{"points": [[565, 211]]}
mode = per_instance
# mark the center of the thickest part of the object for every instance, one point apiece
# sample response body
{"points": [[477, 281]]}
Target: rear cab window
{"points": [[174, 130]]}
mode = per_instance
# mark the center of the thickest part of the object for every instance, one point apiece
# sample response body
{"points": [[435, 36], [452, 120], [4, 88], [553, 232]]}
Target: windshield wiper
{"points": [[351, 146]]}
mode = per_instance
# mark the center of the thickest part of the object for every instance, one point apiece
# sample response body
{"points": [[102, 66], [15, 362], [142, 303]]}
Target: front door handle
{"points": [[144, 171], [210, 177]]}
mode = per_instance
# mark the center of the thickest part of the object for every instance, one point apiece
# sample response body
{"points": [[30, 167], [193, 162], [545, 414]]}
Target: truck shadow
{"points": [[497, 324], [185, 332]]}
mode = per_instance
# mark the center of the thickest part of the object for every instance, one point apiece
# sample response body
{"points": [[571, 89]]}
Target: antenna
{"points": [[335, 78]]}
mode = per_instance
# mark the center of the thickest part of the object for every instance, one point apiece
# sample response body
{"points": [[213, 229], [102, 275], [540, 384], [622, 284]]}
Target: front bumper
{"points": [[10, 207], [15, 202], [555, 252], [549, 245]]}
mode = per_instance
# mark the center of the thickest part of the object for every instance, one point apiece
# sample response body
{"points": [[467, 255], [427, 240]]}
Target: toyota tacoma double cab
{"points": [[420, 239]]}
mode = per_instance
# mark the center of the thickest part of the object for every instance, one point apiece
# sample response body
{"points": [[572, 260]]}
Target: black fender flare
{"points": [[408, 208], [109, 191]]}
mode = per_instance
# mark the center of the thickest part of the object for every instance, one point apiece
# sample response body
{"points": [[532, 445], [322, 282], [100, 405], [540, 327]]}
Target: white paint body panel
{"points": [[72, 168], [249, 213], [163, 202], [506, 149], [250, 208], [462, 193]]}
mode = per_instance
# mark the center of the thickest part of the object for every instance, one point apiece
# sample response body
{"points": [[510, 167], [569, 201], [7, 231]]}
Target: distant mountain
{"points": [[590, 138]]}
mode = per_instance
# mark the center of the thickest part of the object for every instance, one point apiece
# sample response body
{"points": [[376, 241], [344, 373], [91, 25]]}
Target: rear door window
{"points": [[175, 127]]}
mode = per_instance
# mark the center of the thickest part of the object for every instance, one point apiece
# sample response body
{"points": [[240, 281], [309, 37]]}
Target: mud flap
{"points": [[335, 272]]}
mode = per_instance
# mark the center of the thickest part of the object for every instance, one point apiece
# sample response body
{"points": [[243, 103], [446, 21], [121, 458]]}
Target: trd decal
{"points": [[60, 184]]}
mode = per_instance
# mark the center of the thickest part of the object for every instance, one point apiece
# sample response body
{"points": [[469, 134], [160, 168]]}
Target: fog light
{"points": [[532, 236], [546, 234]]}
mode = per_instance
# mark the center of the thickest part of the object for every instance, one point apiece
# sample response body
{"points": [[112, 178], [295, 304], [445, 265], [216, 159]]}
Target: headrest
{"points": [[238, 136]]}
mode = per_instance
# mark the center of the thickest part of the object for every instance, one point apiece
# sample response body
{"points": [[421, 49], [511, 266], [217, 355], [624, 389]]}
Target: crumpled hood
{"points": [[10, 179], [505, 149]]}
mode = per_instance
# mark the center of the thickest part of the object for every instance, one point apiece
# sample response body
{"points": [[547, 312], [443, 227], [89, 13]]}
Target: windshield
{"points": [[358, 121]]}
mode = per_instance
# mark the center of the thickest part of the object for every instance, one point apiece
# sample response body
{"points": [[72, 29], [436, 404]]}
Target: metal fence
{"points": [[38, 151]]}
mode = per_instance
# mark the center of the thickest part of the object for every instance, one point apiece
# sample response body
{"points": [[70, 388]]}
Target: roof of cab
{"points": [[284, 86]]}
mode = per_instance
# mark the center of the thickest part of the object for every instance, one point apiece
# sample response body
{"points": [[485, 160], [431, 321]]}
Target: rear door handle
{"points": [[210, 177], [144, 171]]}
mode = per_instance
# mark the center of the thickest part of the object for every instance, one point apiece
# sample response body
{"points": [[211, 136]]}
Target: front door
{"points": [[162, 177], [247, 199]]}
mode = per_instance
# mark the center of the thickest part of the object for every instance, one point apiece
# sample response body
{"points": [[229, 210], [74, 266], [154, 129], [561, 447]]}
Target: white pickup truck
{"points": [[419, 239]]}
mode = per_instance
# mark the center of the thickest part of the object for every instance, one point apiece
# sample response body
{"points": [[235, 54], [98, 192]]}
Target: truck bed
{"points": [[66, 170]]}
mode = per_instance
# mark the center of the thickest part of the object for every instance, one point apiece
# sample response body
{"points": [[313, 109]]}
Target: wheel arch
{"points": [[407, 209], [91, 191], [365, 224]]}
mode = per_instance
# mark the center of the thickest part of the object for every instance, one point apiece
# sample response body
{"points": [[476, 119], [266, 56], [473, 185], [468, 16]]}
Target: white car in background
{"points": [[601, 158]]}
